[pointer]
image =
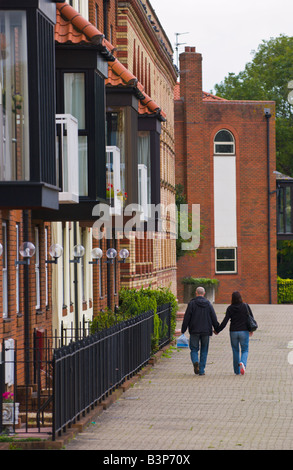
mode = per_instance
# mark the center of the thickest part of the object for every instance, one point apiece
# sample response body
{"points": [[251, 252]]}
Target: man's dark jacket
{"points": [[200, 317]]}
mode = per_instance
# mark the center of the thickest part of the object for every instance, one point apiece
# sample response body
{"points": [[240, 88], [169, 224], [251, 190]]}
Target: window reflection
{"points": [[14, 131]]}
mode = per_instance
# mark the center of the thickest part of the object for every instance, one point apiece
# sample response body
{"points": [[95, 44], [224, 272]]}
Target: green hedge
{"points": [[133, 302], [285, 291]]}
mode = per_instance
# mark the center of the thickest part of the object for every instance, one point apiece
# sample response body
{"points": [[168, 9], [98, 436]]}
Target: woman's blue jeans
{"points": [[239, 342], [196, 343]]}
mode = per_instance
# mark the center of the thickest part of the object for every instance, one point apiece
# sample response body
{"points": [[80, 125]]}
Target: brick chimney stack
{"points": [[191, 82]]}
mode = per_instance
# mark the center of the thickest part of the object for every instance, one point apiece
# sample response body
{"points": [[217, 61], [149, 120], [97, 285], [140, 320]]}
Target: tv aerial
{"points": [[177, 44]]}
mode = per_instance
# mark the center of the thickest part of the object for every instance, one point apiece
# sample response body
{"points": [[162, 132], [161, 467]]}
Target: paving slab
{"points": [[171, 408]]}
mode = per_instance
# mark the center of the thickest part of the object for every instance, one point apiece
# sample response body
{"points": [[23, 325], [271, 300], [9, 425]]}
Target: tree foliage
{"points": [[266, 77]]}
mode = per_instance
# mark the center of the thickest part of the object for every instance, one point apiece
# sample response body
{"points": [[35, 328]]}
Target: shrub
{"points": [[133, 302], [285, 291]]}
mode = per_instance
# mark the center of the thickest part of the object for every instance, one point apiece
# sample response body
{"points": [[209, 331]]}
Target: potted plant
{"points": [[10, 411]]}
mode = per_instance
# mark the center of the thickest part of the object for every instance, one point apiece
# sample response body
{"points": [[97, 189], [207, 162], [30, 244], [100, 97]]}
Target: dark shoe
{"points": [[196, 368]]}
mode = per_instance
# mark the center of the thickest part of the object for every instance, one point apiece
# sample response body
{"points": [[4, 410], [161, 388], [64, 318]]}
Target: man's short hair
{"points": [[200, 291]]}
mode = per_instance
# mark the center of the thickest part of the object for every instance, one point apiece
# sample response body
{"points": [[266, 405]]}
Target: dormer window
{"points": [[224, 143]]}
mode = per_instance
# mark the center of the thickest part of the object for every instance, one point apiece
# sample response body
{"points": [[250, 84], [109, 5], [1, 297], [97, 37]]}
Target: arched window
{"points": [[224, 143]]}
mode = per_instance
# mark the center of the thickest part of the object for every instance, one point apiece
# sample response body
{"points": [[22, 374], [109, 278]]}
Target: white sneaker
{"points": [[242, 368]]}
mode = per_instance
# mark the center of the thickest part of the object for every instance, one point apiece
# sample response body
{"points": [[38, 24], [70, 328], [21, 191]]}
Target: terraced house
{"points": [[86, 117]]}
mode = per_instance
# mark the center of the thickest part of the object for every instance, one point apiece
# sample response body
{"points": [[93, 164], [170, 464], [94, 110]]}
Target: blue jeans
{"points": [[196, 343], [239, 339]]}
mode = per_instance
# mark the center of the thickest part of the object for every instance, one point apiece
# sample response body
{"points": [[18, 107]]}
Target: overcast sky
{"points": [[224, 32]]}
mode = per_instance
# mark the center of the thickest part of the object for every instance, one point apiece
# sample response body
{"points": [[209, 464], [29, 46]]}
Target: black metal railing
{"points": [[88, 370], [71, 380]]}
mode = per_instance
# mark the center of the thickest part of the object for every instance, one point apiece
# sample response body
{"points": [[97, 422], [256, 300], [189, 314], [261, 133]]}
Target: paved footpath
{"points": [[171, 408]]}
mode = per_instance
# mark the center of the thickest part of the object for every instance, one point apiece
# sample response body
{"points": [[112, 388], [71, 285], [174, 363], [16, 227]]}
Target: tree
{"points": [[266, 77]]}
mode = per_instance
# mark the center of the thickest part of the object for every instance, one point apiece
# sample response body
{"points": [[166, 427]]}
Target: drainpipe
{"points": [[268, 116]]}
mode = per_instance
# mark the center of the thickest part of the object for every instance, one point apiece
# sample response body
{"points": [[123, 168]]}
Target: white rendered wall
{"points": [[225, 201]]}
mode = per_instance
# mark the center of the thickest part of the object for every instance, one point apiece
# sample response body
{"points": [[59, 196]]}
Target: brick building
{"points": [[225, 158], [144, 49], [110, 74]]}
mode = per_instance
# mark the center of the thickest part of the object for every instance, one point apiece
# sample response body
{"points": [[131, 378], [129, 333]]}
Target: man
{"points": [[199, 318]]}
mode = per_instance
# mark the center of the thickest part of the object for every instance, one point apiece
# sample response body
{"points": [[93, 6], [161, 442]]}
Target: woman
{"points": [[239, 334]]}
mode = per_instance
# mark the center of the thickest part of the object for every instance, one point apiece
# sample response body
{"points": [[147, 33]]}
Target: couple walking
{"points": [[201, 320]]}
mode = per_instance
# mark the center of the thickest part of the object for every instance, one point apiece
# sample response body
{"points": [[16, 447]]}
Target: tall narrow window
{"points": [[64, 273], [17, 227], [97, 16], [46, 267], [225, 216], [100, 274], [5, 270], [113, 179], [144, 171], [74, 104], [82, 262], [115, 130], [37, 268], [14, 123]]}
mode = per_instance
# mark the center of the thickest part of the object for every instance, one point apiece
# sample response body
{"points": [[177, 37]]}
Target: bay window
{"points": [[14, 122]]}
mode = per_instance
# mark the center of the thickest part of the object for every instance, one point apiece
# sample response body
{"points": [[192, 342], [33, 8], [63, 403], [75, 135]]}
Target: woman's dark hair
{"points": [[236, 298]]}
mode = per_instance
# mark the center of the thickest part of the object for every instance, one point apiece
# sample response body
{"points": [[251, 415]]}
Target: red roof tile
{"points": [[205, 96], [210, 97], [72, 28]]}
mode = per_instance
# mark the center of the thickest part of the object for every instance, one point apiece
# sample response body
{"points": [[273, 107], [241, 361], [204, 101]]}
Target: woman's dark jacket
{"points": [[237, 313], [200, 317]]}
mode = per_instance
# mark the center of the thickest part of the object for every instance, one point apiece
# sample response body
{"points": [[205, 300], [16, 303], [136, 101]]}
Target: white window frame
{"points": [[69, 158], [220, 259], [46, 267], [143, 189], [100, 275], [17, 229], [232, 143], [5, 271], [37, 268], [9, 361], [81, 6], [113, 177]]}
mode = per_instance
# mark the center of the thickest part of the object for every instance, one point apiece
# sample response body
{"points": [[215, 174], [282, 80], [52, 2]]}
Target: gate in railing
{"points": [[72, 379]]}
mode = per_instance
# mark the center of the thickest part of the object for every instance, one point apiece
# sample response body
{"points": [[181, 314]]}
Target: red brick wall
{"points": [[14, 325], [196, 123], [96, 17]]}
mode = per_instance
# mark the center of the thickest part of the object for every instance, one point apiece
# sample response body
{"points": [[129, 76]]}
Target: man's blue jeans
{"points": [[239, 340], [199, 343]]}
